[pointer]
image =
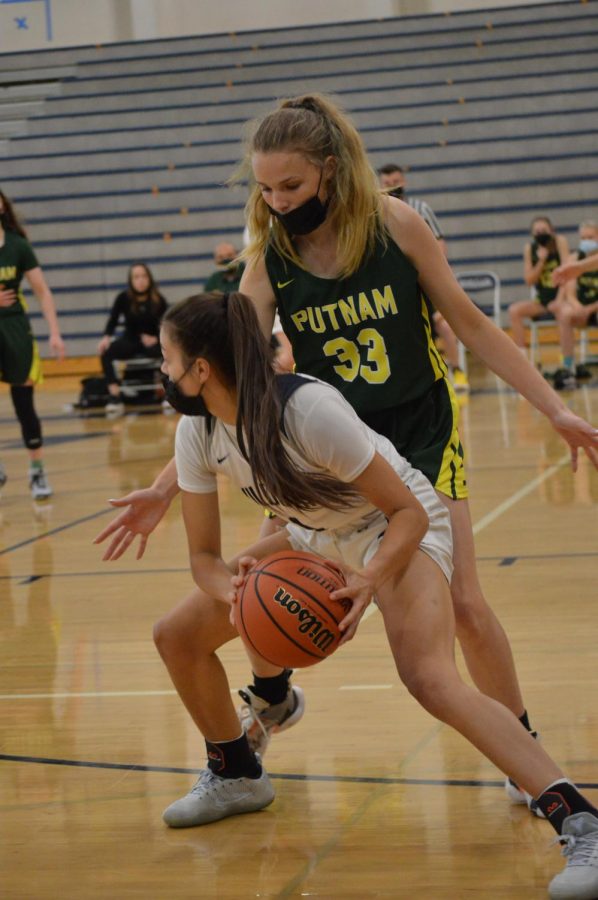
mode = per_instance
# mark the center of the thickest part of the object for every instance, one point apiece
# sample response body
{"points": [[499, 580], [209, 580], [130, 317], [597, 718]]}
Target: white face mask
{"points": [[587, 245]]}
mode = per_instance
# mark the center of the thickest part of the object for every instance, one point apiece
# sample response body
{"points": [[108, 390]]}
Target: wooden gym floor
{"points": [[374, 798]]}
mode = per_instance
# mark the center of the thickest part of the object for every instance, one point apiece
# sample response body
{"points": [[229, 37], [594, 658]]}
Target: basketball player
{"points": [[295, 444], [20, 364], [541, 256], [581, 306], [346, 266]]}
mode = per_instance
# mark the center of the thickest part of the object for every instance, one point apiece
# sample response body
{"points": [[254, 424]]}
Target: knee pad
{"points": [[31, 429]]}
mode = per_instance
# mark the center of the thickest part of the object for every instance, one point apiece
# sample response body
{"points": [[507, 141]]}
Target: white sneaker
{"points": [[114, 408], [40, 487], [260, 719], [579, 878], [212, 798], [518, 795]]}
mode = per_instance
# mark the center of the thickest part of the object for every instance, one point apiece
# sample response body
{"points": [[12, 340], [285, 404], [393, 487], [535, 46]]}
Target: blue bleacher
{"points": [[121, 152]]}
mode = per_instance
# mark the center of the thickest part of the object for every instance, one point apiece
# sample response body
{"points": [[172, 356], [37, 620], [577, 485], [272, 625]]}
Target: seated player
{"points": [[141, 307], [581, 307]]}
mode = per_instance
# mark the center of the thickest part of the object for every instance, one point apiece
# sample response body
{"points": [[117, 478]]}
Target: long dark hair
{"points": [[152, 292], [12, 222], [224, 330]]}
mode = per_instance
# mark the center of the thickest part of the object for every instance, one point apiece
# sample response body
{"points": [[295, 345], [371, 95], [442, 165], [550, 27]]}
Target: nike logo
{"points": [[220, 459], [283, 284]]}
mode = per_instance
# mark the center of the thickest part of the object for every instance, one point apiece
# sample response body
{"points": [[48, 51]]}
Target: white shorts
{"points": [[356, 544]]}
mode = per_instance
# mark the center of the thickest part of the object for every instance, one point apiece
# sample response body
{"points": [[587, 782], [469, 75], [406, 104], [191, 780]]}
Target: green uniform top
{"points": [[368, 335], [587, 283], [225, 280], [16, 258], [545, 290]]}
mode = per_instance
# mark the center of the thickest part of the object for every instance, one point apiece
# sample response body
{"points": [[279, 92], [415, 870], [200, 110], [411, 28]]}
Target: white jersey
{"points": [[323, 434]]}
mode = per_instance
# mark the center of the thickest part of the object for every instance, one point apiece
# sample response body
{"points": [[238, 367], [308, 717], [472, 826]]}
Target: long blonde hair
{"points": [[315, 126]]}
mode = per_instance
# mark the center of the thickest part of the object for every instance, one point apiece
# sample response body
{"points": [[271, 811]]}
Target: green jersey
{"points": [[16, 258], [545, 289], [368, 335], [587, 283]]}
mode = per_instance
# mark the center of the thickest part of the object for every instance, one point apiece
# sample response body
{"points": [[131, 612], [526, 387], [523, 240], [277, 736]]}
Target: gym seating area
{"points": [[121, 153]]}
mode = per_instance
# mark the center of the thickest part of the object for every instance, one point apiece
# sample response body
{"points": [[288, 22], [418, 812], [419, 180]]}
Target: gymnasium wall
{"points": [[37, 24]]}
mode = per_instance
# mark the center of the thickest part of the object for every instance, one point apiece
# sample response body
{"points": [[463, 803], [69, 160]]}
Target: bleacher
{"points": [[120, 153]]}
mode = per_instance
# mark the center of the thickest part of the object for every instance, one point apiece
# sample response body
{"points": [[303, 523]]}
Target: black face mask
{"points": [[4, 220], [187, 406], [398, 192], [305, 218], [542, 239]]}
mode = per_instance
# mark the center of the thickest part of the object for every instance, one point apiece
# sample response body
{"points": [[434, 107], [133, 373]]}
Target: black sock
{"points": [[562, 799], [274, 689], [525, 721], [233, 759]]}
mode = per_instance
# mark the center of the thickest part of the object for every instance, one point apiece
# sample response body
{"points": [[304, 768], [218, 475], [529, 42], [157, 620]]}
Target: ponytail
{"points": [[224, 330]]}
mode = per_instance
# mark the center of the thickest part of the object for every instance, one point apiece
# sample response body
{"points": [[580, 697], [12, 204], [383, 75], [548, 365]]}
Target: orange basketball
{"points": [[285, 612]]}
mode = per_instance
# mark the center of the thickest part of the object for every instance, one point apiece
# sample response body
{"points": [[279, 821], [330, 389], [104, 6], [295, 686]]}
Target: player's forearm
{"points": [[212, 575], [402, 537], [167, 481], [502, 356], [46, 301]]}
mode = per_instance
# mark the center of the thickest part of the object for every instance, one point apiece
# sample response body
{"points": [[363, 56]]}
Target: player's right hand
{"points": [[7, 298], [142, 510]]}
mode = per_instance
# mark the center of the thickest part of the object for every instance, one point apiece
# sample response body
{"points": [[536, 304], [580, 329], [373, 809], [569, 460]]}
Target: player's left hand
{"points": [[578, 433], [57, 345], [359, 590]]}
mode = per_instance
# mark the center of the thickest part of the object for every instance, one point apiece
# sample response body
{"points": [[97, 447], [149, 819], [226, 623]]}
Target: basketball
{"points": [[285, 613]]}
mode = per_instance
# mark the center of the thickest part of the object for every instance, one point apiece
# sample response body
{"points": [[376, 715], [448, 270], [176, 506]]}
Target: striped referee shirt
{"points": [[427, 214]]}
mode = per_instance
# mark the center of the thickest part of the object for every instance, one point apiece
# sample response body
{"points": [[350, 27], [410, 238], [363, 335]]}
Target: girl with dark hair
{"points": [[541, 256], [20, 364], [141, 307], [294, 443]]}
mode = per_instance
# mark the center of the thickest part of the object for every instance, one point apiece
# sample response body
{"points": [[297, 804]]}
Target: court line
{"points": [[281, 776], [500, 509], [501, 559], [520, 494], [365, 687], [45, 534], [170, 692]]}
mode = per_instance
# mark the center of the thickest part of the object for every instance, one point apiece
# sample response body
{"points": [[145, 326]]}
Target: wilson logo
{"points": [[307, 622]]}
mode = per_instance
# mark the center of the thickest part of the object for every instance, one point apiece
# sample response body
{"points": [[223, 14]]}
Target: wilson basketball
{"points": [[285, 612]]}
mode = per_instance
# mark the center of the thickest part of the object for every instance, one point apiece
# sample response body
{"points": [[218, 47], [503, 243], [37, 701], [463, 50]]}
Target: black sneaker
{"points": [[582, 371], [564, 380]]}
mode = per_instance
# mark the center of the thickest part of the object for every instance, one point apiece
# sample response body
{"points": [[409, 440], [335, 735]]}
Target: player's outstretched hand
{"points": [[565, 272], [359, 591], [142, 510], [578, 433]]}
